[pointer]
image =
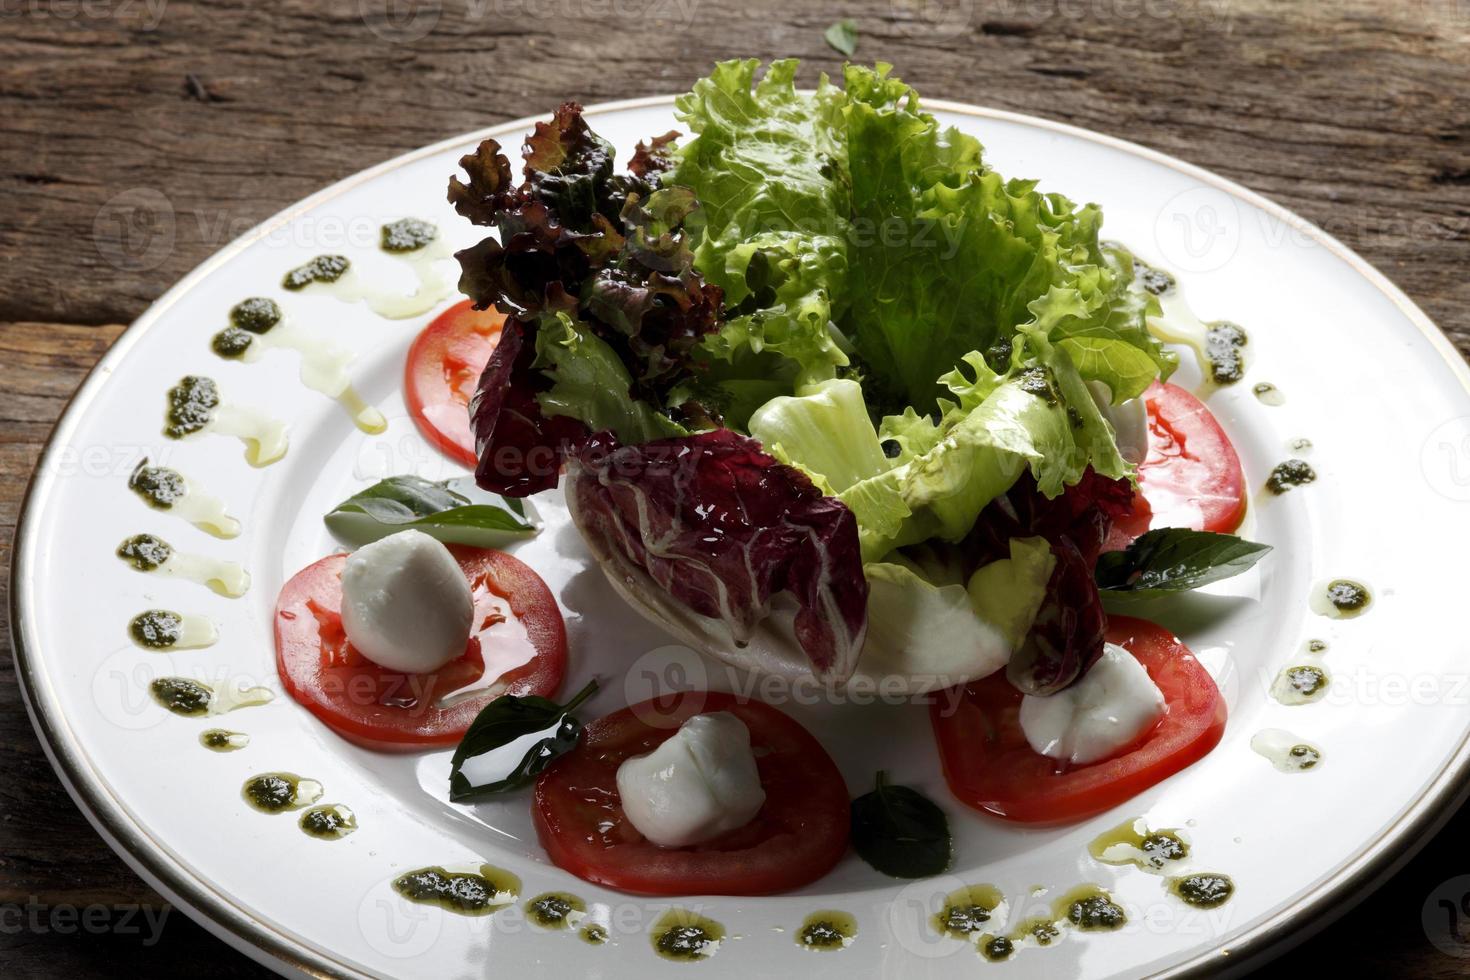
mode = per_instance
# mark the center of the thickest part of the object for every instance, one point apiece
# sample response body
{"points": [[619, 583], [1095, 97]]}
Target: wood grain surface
{"points": [[137, 138]]}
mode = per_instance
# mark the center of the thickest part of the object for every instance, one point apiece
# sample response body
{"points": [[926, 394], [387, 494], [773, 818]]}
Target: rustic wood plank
{"points": [[212, 117]]}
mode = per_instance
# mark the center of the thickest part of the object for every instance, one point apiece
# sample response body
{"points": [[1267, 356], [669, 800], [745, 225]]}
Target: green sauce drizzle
{"points": [[145, 552], [330, 822], [407, 235], [1304, 756], [1203, 891], [463, 892], [1091, 909], [1043, 932], [191, 405], [156, 629], [1347, 596], [966, 911], [1292, 473], [160, 486], [1306, 680], [221, 740], [1224, 348], [555, 910], [232, 342], [826, 931], [683, 935], [323, 268], [593, 934], [182, 696], [270, 792], [1038, 381], [256, 314], [997, 948]]}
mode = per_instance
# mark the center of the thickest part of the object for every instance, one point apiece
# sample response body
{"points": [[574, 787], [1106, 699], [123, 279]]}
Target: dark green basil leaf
{"points": [[842, 37], [1174, 559], [900, 832], [532, 731], [437, 509]]}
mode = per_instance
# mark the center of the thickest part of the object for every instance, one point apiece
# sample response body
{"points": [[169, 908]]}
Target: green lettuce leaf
{"points": [[1009, 592], [772, 220], [825, 429], [591, 383], [928, 635]]}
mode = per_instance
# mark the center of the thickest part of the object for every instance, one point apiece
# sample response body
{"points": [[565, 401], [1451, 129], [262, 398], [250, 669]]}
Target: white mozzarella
{"points": [[1129, 421], [698, 784], [1107, 710], [405, 603]]}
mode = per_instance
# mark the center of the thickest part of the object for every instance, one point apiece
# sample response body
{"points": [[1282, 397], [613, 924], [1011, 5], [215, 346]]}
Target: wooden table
{"points": [[1354, 113]]}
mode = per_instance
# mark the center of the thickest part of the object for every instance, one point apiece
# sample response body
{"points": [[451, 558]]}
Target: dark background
{"points": [[1355, 114]]}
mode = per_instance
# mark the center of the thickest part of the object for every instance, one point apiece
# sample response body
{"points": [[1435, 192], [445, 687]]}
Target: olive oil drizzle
{"points": [[338, 277], [195, 699], [1287, 752], [966, 912], [323, 363], [1132, 842], [195, 406], [1303, 682], [169, 490], [164, 629], [223, 740], [151, 554]]}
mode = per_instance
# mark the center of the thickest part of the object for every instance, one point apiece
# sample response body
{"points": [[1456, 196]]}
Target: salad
{"points": [[828, 398]]}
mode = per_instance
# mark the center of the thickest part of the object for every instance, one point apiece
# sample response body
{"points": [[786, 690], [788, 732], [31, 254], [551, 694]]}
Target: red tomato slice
{"points": [[1192, 476], [990, 766], [444, 365], [798, 835], [522, 653]]}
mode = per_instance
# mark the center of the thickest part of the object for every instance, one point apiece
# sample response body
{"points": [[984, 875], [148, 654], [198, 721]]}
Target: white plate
{"points": [[1367, 379]]}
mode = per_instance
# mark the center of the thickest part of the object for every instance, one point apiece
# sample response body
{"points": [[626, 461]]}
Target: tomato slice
{"points": [[798, 835], [1192, 476], [519, 646], [444, 365], [990, 766]]}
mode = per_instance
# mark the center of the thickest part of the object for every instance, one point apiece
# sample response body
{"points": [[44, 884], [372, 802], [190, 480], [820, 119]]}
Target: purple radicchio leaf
{"points": [[724, 528], [1067, 636]]}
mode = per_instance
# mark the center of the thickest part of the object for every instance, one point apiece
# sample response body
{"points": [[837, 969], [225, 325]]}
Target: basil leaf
{"points": [[1174, 559], [900, 832], [403, 502], [842, 37], [529, 732]]}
